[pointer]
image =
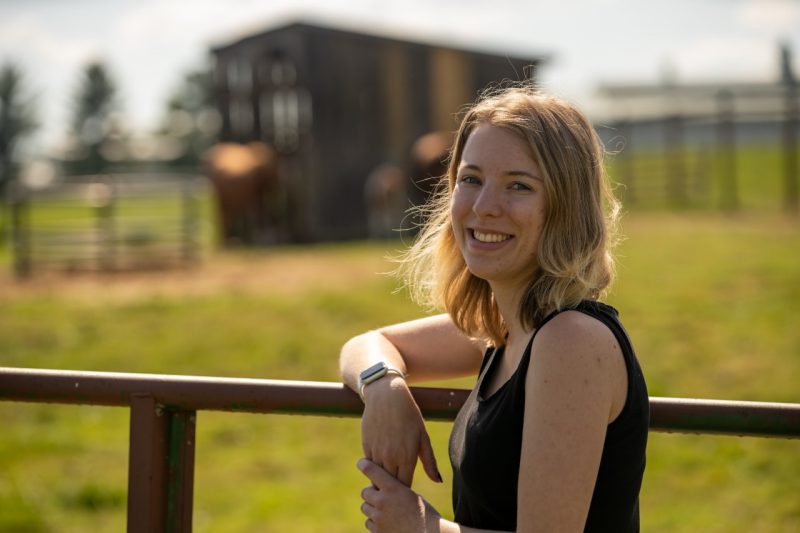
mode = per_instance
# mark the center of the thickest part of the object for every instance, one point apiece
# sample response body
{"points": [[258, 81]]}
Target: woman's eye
{"points": [[469, 179], [517, 186]]}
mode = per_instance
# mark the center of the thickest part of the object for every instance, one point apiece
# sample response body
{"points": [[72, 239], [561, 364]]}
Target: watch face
{"points": [[371, 371]]}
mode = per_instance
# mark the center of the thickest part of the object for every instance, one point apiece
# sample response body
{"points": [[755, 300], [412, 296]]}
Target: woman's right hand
{"points": [[393, 432]]}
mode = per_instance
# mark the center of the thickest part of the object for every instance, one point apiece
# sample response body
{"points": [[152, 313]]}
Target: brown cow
{"points": [[246, 182]]}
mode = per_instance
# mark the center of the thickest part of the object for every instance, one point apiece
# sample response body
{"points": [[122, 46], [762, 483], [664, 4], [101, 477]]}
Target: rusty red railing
{"points": [[163, 411]]}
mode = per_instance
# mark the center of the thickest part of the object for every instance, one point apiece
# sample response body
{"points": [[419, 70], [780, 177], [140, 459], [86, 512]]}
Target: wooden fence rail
{"points": [[163, 412]]}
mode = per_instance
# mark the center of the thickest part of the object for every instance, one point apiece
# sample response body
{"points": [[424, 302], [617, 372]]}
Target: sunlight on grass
{"points": [[711, 302]]}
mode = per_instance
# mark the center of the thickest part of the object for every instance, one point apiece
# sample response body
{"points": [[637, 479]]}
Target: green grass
{"points": [[712, 304]]}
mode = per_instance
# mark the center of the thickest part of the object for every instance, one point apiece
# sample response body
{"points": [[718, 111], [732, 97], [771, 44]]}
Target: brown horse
{"points": [[385, 199], [429, 155], [246, 182], [388, 191]]}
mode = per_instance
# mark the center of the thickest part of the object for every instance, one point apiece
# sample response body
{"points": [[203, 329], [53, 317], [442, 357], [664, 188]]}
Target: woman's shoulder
{"points": [[579, 345], [575, 326]]}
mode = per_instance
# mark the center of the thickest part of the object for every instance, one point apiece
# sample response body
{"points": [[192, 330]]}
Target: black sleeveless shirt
{"points": [[486, 443]]}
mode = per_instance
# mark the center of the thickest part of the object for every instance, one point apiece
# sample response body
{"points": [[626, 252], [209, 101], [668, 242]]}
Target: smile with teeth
{"points": [[490, 237]]}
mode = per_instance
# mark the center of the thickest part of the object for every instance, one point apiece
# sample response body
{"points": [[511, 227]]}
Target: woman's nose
{"points": [[488, 202]]}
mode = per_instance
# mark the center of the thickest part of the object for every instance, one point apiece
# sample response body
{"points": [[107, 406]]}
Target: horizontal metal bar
{"points": [[761, 419], [324, 398]]}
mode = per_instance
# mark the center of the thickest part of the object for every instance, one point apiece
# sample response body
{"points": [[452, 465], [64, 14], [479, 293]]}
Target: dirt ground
{"points": [[284, 272]]}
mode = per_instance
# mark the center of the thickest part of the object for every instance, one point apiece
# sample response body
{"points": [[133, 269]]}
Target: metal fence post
{"points": [[675, 167], [726, 151], [160, 468], [147, 466], [189, 222], [21, 231], [791, 169], [104, 211], [180, 471]]}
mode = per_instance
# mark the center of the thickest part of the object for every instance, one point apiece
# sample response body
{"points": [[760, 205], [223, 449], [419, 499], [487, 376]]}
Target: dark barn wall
{"points": [[337, 104], [347, 130], [263, 95]]}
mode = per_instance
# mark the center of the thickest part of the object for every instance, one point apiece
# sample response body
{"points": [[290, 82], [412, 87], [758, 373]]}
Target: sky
{"points": [[149, 45]]}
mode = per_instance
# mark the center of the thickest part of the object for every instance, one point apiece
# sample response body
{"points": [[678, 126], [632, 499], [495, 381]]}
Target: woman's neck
{"points": [[508, 302]]}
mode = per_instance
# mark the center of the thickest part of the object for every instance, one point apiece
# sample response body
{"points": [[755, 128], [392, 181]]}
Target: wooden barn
{"points": [[336, 104]]}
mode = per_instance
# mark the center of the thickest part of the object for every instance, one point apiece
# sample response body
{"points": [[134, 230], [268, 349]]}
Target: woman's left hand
{"points": [[390, 506]]}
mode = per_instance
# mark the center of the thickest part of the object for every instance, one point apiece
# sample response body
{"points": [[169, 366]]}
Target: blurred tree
{"points": [[17, 119], [191, 118], [93, 120]]}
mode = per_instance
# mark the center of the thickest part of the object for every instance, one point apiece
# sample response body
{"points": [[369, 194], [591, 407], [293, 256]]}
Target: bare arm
{"points": [[576, 385], [391, 507], [393, 432], [424, 349]]}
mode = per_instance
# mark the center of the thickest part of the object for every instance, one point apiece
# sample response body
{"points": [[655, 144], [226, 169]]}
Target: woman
{"points": [[516, 250]]}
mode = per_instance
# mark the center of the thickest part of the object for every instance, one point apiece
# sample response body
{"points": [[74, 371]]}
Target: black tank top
{"points": [[486, 442]]}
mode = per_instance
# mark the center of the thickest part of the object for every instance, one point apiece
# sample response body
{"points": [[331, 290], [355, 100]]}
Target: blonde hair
{"points": [[574, 253]]}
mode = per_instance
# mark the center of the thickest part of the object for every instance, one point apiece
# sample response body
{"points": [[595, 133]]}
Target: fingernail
{"points": [[361, 464]]}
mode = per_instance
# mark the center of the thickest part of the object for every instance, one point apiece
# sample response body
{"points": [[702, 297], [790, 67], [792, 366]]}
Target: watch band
{"points": [[374, 373]]}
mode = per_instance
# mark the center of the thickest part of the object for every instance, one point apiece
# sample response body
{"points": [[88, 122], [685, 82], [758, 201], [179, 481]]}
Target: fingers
{"points": [[381, 459], [367, 510], [406, 474], [370, 495], [389, 467], [428, 459], [400, 463], [379, 477]]}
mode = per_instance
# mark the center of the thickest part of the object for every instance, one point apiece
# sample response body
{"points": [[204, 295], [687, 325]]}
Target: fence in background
{"points": [[107, 223], [682, 145], [163, 417]]}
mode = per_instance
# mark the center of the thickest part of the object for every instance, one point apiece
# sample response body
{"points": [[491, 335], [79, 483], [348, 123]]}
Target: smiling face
{"points": [[498, 207]]}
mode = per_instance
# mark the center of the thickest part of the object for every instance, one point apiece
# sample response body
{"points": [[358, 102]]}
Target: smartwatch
{"points": [[374, 373]]}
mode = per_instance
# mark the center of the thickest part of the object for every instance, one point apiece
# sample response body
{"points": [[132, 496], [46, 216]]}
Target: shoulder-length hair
{"points": [[574, 253]]}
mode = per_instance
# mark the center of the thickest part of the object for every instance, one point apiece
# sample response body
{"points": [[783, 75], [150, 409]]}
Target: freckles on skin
{"points": [[498, 207]]}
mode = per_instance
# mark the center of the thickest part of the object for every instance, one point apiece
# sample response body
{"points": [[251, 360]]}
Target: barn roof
{"points": [[395, 36]]}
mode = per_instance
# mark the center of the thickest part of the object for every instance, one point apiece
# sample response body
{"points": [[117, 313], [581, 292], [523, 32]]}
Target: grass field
{"points": [[647, 178], [712, 303]]}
